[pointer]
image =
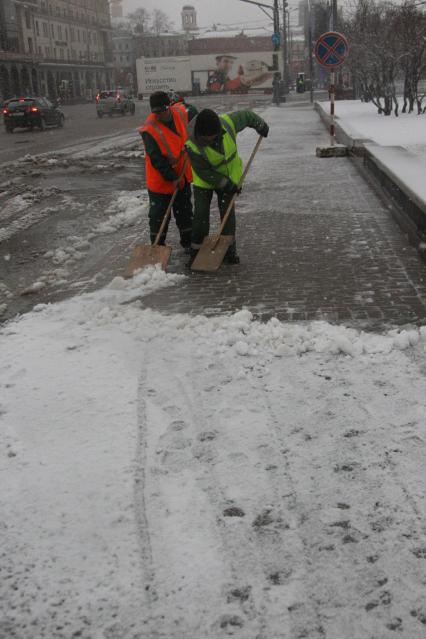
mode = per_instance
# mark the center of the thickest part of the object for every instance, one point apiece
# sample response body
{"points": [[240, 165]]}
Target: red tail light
{"points": [[5, 111], [98, 97], [34, 109]]}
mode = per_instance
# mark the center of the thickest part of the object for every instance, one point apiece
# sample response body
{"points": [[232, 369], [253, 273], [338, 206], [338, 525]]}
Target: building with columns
{"points": [[55, 48]]}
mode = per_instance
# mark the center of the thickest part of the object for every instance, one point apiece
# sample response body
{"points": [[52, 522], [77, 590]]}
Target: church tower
{"points": [[189, 18]]}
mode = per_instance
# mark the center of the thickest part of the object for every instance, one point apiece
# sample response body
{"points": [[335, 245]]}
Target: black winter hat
{"points": [[207, 123], [159, 101]]}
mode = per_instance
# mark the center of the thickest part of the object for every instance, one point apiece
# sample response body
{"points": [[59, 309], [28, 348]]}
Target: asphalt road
{"points": [[82, 123]]}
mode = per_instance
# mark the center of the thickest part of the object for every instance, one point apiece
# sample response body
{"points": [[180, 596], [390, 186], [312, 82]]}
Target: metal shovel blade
{"points": [[209, 259], [147, 256]]}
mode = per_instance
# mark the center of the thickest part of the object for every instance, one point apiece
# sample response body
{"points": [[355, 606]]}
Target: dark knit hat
{"points": [[207, 123], [159, 101]]}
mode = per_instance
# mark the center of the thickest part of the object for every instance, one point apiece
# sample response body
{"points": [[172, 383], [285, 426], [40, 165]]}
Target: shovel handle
{"points": [[240, 183], [169, 207]]}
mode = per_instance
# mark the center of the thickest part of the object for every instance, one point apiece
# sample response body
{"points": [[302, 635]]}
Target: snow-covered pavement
{"points": [[168, 476], [361, 120]]}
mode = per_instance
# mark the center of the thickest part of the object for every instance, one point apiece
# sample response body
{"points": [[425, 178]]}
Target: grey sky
{"points": [[208, 11]]}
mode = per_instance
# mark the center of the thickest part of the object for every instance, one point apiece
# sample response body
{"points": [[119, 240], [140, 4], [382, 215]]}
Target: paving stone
{"points": [[315, 240]]}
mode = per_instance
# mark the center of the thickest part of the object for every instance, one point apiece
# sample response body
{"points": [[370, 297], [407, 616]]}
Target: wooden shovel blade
{"points": [[209, 259], [147, 256]]}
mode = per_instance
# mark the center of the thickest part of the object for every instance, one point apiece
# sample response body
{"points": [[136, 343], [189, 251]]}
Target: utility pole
{"points": [[276, 82], [285, 48], [333, 15], [311, 62]]}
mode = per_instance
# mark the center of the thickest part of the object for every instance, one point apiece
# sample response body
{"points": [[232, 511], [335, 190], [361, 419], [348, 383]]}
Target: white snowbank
{"points": [[361, 120], [239, 331]]}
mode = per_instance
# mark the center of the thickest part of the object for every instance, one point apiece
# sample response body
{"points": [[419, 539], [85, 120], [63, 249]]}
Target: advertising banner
{"points": [[233, 73], [207, 74], [163, 74]]}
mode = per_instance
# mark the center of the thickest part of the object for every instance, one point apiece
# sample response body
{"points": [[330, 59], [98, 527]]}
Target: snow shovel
{"points": [[213, 249], [148, 255]]}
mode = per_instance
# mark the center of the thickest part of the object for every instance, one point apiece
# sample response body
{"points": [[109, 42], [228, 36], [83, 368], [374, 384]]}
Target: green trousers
{"points": [[201, 220], [182, 211]]}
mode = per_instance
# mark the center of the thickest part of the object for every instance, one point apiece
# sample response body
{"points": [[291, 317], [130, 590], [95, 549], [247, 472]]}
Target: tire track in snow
{"points": [[142, 523]]}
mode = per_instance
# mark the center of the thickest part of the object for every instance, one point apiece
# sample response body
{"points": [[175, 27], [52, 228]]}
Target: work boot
{"points": [[231, 259], [192, 255], [185, 241], [186, 247], [231, 256]]}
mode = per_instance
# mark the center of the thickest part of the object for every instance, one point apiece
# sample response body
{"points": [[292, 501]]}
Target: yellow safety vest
{"points": [[228, 163]]}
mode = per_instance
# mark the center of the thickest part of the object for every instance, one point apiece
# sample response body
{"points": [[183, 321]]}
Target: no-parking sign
{"points": [[331, 50]]}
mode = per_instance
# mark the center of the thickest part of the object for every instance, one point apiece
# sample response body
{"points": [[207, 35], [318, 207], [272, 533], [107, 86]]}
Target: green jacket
{"points": [[207, 172]]}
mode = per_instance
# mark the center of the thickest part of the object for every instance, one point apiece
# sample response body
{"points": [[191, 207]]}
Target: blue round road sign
{"points": [[276, 39], [331, 50]]}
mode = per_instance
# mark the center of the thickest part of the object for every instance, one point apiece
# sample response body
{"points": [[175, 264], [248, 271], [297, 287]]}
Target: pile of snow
{"points": [[18, 203], [74, 251], [5, 295], [124, 212], [238, 332]]}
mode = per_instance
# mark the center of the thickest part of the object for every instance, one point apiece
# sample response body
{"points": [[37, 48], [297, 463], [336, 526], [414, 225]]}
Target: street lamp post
{"points": [[275, 41]]}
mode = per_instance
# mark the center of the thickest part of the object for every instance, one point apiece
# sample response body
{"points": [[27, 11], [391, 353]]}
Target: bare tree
{"points": [[160, 22], [387, 44], [412, 36], [139, 19]]}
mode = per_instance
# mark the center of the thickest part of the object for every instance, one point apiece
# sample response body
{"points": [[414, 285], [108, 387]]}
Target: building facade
{"points": [[56, 48], [152, 45], [124, 48]]}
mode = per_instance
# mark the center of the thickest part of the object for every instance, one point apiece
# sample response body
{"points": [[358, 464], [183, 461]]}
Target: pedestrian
{"points": [[164, 134], [217, 167]]}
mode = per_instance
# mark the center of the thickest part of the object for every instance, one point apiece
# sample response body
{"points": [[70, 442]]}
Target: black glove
{"points": [[232, 188], [263, 130]]}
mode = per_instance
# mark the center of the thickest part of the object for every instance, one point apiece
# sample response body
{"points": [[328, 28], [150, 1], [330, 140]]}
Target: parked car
{"points": [[30, 112], [110, 102]]}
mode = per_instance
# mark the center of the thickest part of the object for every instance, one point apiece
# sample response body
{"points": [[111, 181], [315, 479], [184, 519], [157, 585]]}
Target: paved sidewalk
{"points": [[315, 240]]}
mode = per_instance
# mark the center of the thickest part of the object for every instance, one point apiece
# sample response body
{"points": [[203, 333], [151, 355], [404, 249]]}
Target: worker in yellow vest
{"points": [[164, 134], [217, 167]]}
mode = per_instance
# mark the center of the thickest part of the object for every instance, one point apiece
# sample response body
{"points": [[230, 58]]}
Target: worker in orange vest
{"points": [[164, 134]]}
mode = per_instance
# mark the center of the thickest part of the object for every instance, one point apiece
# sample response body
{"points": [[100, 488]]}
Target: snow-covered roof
{"points": [[250, 33]]}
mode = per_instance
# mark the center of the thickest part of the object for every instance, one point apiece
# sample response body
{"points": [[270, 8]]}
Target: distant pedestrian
{"points": [[217, 167], [164, 134]]}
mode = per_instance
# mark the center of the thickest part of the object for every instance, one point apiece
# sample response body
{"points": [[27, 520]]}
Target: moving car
{"points": [[30, 112], [109, 102]]}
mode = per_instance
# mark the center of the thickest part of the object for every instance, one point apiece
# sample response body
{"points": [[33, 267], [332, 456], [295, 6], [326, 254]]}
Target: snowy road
{"points": [[170, 477]]}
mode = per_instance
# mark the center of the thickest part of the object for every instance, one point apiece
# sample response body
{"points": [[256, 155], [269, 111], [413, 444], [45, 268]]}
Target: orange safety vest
{"points": [[171, 145]]}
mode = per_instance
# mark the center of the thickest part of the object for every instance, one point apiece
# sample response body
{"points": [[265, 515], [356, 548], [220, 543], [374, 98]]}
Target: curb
{"points": [[412, 206]]}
